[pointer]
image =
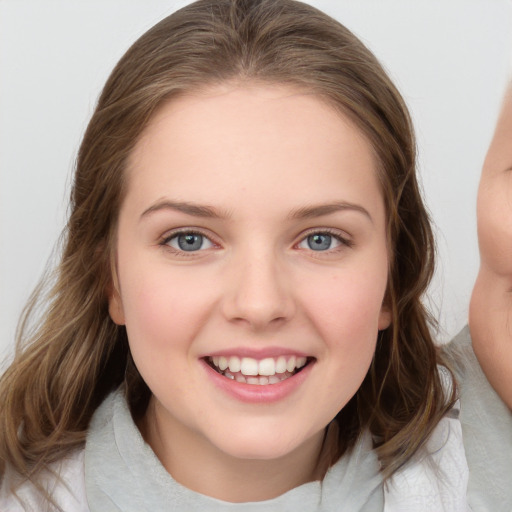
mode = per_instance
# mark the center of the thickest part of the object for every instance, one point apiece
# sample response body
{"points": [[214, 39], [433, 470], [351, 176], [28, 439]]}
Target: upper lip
{"points": [[256, 353]]}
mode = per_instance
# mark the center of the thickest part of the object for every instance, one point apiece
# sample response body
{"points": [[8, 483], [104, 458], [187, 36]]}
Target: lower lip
{"points": [[254, 393]]}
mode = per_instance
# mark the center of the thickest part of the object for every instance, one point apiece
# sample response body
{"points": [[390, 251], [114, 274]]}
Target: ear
{"points": [[115, 303], [115, 306], [384, 317]]}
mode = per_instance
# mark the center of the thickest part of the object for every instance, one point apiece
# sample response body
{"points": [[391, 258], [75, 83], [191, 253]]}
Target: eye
{"points": [[321, 242], [188, 242]]}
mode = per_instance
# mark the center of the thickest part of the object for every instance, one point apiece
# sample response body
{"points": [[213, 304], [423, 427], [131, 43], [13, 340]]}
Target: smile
{"points": [[247, 370]]}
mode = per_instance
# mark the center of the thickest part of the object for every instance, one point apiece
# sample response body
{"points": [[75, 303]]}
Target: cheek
{"points": [[355, 295], [350, 301], [163, 307], [163, 315], [495, 227], [347, 319]]}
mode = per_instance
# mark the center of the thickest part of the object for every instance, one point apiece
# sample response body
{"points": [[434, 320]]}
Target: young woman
{"points": [[236, 322]]}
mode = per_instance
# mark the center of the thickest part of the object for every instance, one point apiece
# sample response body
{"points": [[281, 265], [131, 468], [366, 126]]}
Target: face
{"points": [[252, 266], [491, 303]]}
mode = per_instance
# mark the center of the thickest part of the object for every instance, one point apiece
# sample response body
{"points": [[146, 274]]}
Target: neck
{"points": [[198, 465]]}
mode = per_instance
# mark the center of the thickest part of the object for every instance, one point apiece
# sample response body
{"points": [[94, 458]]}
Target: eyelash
{"points": [[345, 242], [164, 242]]}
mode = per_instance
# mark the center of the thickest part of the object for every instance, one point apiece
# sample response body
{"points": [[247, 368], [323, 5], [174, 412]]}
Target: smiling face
{"points": [[252, 265], [491, 303]]}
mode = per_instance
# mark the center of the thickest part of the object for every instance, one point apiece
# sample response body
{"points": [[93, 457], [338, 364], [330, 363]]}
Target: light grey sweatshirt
{"points": [[130, 478], [486, 431], [118, 472]]}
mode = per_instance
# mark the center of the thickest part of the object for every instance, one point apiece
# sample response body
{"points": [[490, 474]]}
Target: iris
{"points": [[319, 241]]}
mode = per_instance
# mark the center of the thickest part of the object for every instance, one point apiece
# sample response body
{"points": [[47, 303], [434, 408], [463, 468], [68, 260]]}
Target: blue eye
{"points": [[189, 242], [320, 242]]}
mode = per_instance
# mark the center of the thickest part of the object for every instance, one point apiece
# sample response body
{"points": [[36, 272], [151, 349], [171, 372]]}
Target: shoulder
{"points": [[487, 430], [482, 410], [64, 481], [459, 354], [436, 478]]}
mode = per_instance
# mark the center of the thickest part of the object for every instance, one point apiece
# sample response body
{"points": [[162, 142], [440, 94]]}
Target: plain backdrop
{"points": [[450, 58]]}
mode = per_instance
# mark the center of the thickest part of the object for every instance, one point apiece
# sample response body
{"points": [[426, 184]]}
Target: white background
{"points": [[450, 59]]}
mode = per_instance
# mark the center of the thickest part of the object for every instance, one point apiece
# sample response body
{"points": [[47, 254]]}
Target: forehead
{"points": [[253, 109], [252, 139]]}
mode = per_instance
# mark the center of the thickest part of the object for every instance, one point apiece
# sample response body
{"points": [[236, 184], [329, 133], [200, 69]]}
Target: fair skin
{"points": [[490, 316], [253, 228]]}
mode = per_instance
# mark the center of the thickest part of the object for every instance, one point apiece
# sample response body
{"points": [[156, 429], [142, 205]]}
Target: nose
{"points": [[259, 294]]}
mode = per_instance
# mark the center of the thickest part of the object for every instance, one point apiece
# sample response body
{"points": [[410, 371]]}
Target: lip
{"points": [[255, 353], [253, 393]]}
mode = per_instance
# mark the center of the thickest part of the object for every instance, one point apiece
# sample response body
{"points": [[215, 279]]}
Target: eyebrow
{"points": [[195, 210], [204, 211], [309, 212]]}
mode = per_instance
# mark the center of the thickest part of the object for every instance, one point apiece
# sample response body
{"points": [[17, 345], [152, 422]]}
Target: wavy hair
{"points": [[75, 355]]}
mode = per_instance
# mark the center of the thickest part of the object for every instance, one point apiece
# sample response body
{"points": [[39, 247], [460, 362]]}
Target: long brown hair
{"points": [[76, 355]]}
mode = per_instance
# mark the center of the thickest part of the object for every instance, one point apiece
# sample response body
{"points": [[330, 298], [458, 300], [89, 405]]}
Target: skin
{"points": [[259, 156], [490, 313]]}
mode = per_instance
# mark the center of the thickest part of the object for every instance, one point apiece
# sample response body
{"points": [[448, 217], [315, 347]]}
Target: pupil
{"points": [[190, 242], [319, 242]]}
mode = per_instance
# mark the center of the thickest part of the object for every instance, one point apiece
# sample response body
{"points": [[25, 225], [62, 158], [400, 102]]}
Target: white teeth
{"points": [[223, 363], [249, 366], [267, 367], [291, 364], [281, 364], [234, 364], [251, 371]]}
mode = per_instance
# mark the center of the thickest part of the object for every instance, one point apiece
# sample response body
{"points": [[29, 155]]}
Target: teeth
{"points": [[291, 364], [223, 363], [281, 365], [251, 371], [301, 361], [234, 364], [267, 367], [249, 366]]}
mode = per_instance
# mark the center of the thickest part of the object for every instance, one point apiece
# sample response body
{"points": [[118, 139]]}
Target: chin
{"points": [[260, 444]]}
